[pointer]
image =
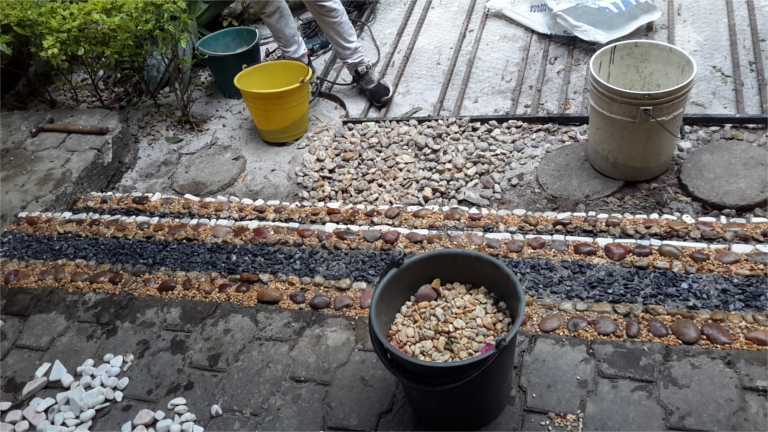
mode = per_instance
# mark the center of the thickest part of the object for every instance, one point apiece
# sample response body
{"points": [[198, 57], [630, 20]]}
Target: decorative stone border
{"points": [[723, 229], [568, 318], [343, 297], [690, 257]]}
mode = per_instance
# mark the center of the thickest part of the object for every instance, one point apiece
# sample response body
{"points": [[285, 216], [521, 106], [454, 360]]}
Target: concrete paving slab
{"points": [[296, 408], [362, 335], [754, 415], [99, 308], [752, 368], [20, 301], [727, 174], [210, 348], [234, 422], [623, 406], [362, 390], [637, 361], [567, 173], [187, 315], [208, 172], [54, 169], [13, 379], [81, 341], [278, 324], [324, 346], [9, 332], [40, 330], [549, 387], [258, 373], [400, 417], [717, 400], [160, 356]]}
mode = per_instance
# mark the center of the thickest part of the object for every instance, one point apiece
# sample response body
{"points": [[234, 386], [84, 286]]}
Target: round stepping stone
{"points": [[727, 175], [208, 172], [567, 173]]}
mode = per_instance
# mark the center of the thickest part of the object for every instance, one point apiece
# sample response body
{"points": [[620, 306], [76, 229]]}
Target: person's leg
{"points": [[333, 20], [277, 16]]}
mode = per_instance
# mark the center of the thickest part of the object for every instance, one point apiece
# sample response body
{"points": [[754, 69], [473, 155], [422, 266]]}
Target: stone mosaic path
{"points": [[275, 369], [260, 307]]}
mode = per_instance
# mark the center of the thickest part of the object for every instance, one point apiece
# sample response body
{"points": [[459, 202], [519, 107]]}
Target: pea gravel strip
{"points": [[573, 280]]}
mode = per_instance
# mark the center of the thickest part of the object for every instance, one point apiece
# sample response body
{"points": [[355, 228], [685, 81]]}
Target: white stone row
{"points": [[518, 212], [332, 227]]}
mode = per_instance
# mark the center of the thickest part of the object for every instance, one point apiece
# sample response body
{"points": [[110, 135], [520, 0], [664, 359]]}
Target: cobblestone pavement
{"points": [[277, 369]]}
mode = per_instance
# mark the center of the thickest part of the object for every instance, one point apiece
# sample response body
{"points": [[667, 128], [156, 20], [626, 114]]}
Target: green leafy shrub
{"points": [[107, 38]]}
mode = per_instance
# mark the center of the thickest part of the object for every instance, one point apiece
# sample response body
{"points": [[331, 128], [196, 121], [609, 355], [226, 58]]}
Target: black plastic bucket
{"points": [[458, 395]]}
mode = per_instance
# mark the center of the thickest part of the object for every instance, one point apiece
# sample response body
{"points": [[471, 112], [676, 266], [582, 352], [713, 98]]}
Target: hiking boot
{"points": [[378, 91]]}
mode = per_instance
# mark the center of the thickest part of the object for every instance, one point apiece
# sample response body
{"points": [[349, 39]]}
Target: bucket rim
{"points": [[229, 30], [414, 261], [685, 83], [302, 81]]}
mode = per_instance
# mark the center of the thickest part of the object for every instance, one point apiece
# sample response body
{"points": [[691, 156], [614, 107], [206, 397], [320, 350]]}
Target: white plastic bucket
{"points": [[638, 91]]}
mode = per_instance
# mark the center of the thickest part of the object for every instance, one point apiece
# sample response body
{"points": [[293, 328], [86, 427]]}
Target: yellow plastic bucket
{"points": [[277, 96]]}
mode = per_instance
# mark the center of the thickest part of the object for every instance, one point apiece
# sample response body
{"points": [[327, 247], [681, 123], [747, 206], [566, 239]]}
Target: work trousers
{"points": [[330, 16]]}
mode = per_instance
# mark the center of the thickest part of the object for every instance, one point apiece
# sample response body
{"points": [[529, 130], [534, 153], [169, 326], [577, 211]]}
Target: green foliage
{"points": [[107, 38]]}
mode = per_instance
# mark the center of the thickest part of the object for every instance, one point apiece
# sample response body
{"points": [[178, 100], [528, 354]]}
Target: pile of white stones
{"points": [[155, 421], [76, 406], [97, 388], [449, 323]]}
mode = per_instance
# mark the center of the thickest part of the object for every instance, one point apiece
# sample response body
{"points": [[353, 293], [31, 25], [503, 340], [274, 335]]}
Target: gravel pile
{"points": [[436, 163], [448, 323], [452, 161]]}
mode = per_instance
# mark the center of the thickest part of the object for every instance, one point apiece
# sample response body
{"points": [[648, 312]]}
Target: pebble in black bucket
{"points": [[460, 395]]}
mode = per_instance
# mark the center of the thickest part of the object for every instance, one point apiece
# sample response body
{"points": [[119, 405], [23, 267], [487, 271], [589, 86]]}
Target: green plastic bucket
{"points": [[226, 52]]}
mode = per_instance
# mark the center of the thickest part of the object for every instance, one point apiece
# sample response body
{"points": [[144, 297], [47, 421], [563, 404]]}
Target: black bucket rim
{"points": [[224, 54], [373, 323]]}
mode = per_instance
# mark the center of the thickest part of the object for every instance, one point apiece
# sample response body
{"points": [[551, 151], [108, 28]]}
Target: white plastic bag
{"points": [[592, 20]]}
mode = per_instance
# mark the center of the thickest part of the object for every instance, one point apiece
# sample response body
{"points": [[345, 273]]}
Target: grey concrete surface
{"points": [[53, 169], [312, 379]]}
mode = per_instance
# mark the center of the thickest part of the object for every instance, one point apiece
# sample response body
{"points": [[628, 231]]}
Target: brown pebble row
{"points": [[398, 216], [644, 257], [747, 329], [246, 289], [647, 328]]}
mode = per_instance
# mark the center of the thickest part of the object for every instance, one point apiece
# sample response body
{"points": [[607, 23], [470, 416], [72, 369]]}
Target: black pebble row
{"points": [[578, 280], [202, 257], [575, 280]]}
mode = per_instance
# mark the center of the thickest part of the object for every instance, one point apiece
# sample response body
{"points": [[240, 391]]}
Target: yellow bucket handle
{"points": [[306, 77]]}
